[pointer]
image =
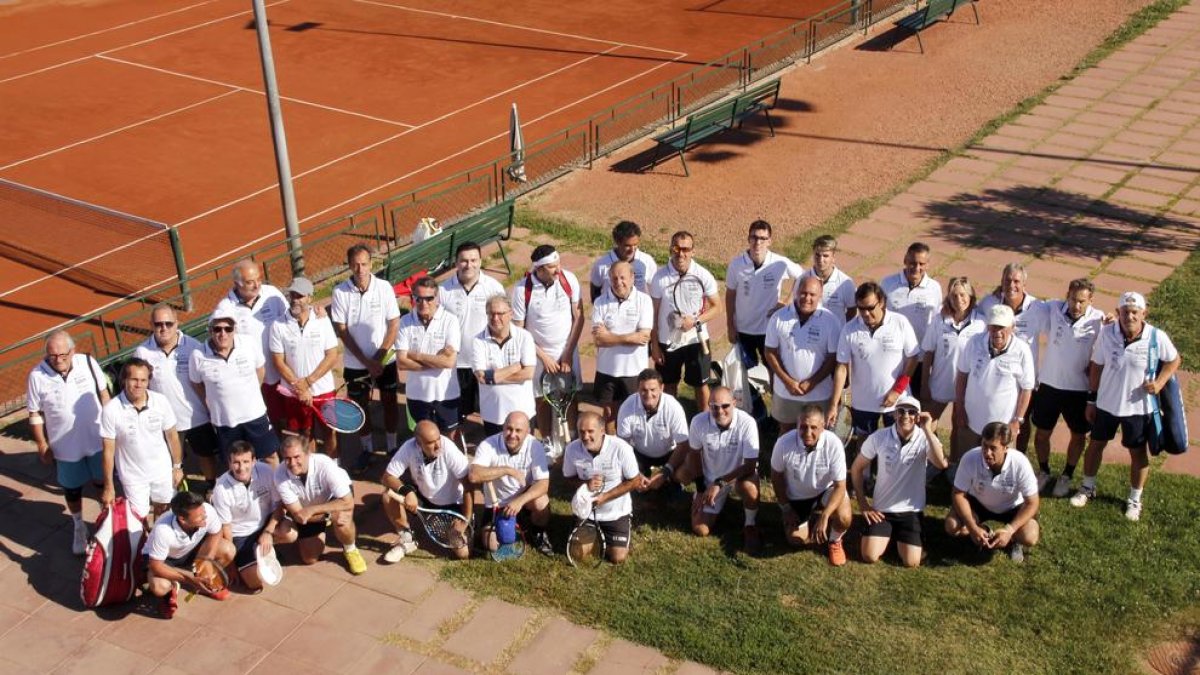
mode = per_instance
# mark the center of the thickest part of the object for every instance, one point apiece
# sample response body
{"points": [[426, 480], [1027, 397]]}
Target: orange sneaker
{"points": [[837, 553]]}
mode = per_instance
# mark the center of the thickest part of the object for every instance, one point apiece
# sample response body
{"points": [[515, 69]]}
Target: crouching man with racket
{"points": [[427, 477], [608, 468], [315, 491], [185, 548], [515, 465], [247, 502], [726, 439]]}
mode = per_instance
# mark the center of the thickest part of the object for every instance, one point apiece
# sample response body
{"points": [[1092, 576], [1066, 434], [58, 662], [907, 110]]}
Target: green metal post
{"points": [[181, 269]]}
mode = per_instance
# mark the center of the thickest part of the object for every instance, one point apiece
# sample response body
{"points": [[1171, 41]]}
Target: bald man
{"points": [[428, 471], [254, 306], [610, 469], [516, 465]]}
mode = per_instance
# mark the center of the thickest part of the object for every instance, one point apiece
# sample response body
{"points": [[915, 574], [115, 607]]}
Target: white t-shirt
{"points": [[644, 269], [324, 482], [945, 340], [231, 389], [69, 405], [758, 288], [1121, 393], [168, 540], [1069, 346], [496, 401], [254, 321], [653, 435], [837, 292], [246, 508], [662, 287], [470, 307], [809, 474], [875, 360], [171, 379], [365, 314], [548, 314], [994, 382], [623, 317], [304, 348], [919, 304], [530, 458], [1001, 492], [723, 450], [430, 384], [440, 480], [615, 461], [900, 471], [803, 347], [142, 455]]}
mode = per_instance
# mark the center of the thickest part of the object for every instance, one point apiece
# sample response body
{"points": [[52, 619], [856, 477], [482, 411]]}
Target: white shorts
{"points": [[142, 493]]}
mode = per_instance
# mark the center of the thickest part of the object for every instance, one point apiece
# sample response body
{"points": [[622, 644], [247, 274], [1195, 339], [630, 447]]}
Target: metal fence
{"points": [[385, 227]]}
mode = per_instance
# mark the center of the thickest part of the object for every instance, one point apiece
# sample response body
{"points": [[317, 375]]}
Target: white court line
{"points": [[102, 31], [447, 15], [118, 130], [251, 90]]}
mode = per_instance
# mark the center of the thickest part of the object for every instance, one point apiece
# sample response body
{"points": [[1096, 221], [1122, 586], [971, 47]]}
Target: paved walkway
{"points": [[1111, 162]]}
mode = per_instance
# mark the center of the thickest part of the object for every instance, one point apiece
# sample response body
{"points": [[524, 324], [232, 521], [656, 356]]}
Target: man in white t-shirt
{"points": [[427, 348], [366, 318], [753, 288], [1123, 394], [995, 484], [912, 292], [247, 502], [622, 318], [140, 442], [503, 358], [607, 465], [190, 532], [801, 342], [902, 453], [654, 423], [316, 492], [995, 377], [725, 439], [226, 373], [169, 352], [428, 471], [1070, 327], [64, 396], [304, 349], [465, 295], [548, 303], [515, 463], [808, 472], [626, 236], [671, 322], [837, 289], [254, 306]]}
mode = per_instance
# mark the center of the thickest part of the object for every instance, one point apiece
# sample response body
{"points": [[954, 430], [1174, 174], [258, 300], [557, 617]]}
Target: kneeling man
{"points": [[606, 463], [316, 491], [726, 440], [190, 532], [248, 505], [516, 465], [428, 471]]}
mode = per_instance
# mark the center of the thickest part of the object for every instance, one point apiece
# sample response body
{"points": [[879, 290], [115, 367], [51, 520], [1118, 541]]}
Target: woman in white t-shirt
{"points": [[944, 339]]}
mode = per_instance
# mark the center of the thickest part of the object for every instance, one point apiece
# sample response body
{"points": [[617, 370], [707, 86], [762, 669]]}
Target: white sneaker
{"points": [[1016, 552], [406, 540], [1133, 510], [1043, 481], [394, 554], [1080, 499], [80, 542], [1062, 487]]}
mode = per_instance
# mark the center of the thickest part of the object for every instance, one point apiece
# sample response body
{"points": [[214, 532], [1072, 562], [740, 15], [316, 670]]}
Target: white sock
{"points": [[367, 442], [1135, 495], [1089, 483], [392, 442], [349, 548], [835, 536], [751, 514], [77, 517]]}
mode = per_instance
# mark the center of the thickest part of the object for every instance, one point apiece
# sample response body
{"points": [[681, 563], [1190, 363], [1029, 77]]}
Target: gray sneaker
{"points": [[1043, 481], [1062, 487], [1016, 552], [394, 554]]}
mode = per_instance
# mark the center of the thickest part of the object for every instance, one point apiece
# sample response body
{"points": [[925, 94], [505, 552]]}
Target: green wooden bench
{"points": [[492, 225], [933, 12], [717, 118]]}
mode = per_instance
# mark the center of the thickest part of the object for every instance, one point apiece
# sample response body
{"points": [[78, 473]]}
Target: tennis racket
{"points": [[212, 574], [448, 529], [340, 414], [499, 551], [843, 428], [688, 299], [586, 547], [558, 390]]}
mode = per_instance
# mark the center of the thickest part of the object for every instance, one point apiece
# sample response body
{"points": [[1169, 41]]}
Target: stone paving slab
{"points": [[627, 658], [554, 650], [493, 628]]}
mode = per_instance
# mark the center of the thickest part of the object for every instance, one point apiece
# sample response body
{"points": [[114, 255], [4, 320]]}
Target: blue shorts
{"points": [[866, 422], [256, 432], [74, 475], [442, 413]]}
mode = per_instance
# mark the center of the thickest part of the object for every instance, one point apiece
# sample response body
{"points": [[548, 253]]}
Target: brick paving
{"points": [[1111, 161]]}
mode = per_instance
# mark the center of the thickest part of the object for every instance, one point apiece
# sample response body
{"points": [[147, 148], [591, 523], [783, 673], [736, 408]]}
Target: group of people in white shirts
{"points": [[1012, 365]]}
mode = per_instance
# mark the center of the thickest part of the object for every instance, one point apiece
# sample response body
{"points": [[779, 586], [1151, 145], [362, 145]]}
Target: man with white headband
{"points": [[548, 303], [1131, 363]]}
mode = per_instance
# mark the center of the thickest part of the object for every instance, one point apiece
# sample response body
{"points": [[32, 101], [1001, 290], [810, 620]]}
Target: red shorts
{"points": [[302, 419]]}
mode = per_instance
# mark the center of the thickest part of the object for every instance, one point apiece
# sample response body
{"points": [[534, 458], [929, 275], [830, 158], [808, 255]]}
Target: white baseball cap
{"points": [[1000, 315], [1132, 299], [907, 401], [223, 314]]}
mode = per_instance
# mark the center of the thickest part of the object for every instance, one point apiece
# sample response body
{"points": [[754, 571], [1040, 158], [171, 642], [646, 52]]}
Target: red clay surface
{"points": [[155, 108]]}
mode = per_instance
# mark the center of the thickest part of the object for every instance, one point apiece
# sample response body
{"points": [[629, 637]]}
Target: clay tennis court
{"points": [[156, 109]]}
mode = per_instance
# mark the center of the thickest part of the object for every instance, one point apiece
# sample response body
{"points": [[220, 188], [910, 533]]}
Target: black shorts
{"points": [[468, 393], [359, 382], [442, 413], [202, 440], [866, 422], [246, 548], [646, 462], [903, 527], [257, 433], [313, 528], [681, 364], [753, 347], [806, 509], [183, 562], [617, 533], [1050, 403], [983, 515], [609, 388], [1137, 431]]}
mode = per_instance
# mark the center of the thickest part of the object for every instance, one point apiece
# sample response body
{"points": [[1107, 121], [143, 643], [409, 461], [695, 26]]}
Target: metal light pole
{"points": [[279, 138]]}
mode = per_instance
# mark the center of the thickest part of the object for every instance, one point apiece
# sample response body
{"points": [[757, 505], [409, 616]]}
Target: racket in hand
{"points": [[211, 574], [448, 529], [340, 414], [688, 299]]}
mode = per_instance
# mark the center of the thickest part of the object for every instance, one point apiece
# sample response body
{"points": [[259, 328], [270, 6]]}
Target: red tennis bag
{"points": [[110, 568]]}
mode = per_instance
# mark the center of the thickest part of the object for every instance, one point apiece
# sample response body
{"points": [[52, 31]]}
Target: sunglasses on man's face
{"points": [[221, 329], [720, 406], [164, 324], [424, 298]]}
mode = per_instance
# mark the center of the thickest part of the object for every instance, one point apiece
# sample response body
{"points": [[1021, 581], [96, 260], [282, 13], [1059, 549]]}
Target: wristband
{"points": [[489, 376], [901, 384], [405, 490], [177, 466], [1091, 397]]}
